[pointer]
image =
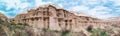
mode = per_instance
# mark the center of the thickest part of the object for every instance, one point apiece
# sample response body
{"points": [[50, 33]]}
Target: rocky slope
{"points": [[10, 28], [3, 17]]}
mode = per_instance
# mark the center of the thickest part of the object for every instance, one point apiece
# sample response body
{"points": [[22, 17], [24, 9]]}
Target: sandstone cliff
{"points": [[51, 20]]}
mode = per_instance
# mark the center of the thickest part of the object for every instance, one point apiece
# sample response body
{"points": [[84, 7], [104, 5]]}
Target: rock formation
{"points": [[3, 17], [52, 17]]}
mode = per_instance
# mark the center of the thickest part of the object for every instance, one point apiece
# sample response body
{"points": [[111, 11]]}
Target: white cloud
{"points": [[60, 5], [117, 2], [73, 3], [99, 11], [81, 8], [2, 12], [39, 2], [17, 5], [91, 2], [11, 3], [23, 5]]}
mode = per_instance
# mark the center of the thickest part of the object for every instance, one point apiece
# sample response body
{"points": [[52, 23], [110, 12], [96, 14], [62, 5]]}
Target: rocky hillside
{"points": [[3, 17], [22, 29], [10, 28]]}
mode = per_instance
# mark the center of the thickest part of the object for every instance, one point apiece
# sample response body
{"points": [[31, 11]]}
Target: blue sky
{"points": [[98, 8]]}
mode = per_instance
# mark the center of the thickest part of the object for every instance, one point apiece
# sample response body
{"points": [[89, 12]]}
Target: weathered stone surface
{"points": [[54, 18]]}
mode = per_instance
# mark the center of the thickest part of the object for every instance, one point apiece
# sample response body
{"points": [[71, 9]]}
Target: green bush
{"points": [[46, 30], [98, 32], [64, 33], [13, 28], [21, 34], [103, 34], [1, 21]]}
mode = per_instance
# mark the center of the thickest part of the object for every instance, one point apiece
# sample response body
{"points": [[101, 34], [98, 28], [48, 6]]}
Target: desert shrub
{"points": [[12, 27], [1, 21], [103, 34], [46, 30], [2, 32], [56, 31], [21, 34], [12, 23], [98, 32], [64, 33]]}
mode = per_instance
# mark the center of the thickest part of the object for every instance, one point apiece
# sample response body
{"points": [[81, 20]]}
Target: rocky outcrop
{"points": [[55, 18], [51, 20], [3, 17]]}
